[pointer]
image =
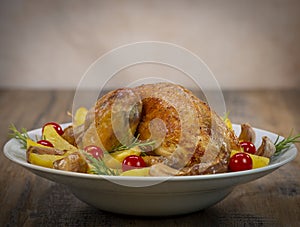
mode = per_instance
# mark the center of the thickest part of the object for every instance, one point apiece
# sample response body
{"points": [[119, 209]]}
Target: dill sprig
{"points": [[135, 142], [21, 135], [285, 144], [98, 165]]}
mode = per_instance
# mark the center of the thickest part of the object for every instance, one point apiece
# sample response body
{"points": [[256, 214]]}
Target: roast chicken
{"points": [[189, 136]]}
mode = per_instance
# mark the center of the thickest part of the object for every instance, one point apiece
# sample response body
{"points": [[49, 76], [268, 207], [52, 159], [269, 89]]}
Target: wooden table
{"points": [[29, 200]]}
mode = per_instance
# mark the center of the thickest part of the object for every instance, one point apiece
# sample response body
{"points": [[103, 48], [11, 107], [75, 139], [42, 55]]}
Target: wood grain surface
{"points": [[29, 200]]}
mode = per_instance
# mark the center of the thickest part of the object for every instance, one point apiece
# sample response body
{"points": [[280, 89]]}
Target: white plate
{"points": [[150, 196]]}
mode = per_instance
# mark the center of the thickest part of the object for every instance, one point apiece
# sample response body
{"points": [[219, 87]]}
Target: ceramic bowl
{"points": [[150, 196]]}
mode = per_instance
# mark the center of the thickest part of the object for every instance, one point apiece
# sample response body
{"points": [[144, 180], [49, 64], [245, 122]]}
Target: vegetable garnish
{"points": [[21, 136], [240, 161], [285, 144], [95, 157], [248, 147], [135, 142], [226, 120], [56, 126], [98, 165], [95, 151], [45, 143], [133, 162]]}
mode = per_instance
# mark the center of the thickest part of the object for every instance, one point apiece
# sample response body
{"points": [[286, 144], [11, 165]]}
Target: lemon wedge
{"points": [[139, 172], [58, 142], [31, 143], [45, 160], [121, 155], [80, 116]]}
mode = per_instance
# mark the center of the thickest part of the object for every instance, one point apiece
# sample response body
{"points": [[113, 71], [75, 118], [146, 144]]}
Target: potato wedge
{"points": [[80, 116], [114, 160], [139, 172], [227, 121], [111, 162], [45, 160], [58, 142], [31, 143], [121, 155], [42, 155]]}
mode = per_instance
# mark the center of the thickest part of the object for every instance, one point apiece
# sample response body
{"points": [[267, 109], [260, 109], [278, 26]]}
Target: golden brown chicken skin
{"points": [[190, 136], [117, 115], [213, 141]]}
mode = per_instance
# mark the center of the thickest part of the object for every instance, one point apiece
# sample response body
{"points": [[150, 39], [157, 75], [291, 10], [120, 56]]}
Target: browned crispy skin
{"points": [[154, 108], [127, 109], [217, 139], [193, 135], [214, 136]]}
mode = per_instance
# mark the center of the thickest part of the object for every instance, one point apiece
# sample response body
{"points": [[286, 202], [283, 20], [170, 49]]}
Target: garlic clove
{"points": [[247, 133], [267, 148]]}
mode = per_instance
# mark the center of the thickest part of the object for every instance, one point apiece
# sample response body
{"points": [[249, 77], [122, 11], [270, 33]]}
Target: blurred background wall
{"points": [[246, 43]]}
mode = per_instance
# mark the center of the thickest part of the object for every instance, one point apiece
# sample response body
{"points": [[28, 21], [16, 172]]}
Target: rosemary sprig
{"points": [[134, 143], [285, 144], [21, 136], [98, 165]]}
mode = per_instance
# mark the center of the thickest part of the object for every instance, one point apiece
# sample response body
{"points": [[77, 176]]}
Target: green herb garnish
{"points": [[98, 165], [135, 142], [21, 136], [285, 144]]}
